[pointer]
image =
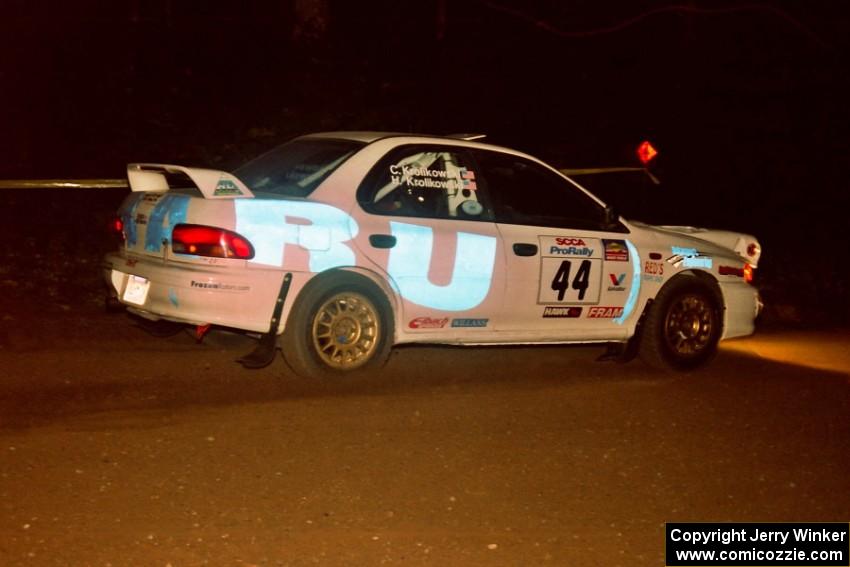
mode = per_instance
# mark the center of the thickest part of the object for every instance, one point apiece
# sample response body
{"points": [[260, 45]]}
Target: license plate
{"points": [[136, 291]]}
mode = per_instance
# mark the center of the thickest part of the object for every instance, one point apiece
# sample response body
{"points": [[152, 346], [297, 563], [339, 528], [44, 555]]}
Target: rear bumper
{"points": [[743, 304], [240, 298]]}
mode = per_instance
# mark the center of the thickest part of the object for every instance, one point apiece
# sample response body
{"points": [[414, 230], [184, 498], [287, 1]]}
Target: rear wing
{"points": [[213, 184]]}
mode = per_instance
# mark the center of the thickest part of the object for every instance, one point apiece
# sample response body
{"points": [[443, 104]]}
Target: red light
{"points": [[749, 273], [730, 271], [646, 152], [210, 241], [117, 228]]}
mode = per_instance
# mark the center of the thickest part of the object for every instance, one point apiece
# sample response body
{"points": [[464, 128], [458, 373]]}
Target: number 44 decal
{"points": [[561, 281], [569, 281]]}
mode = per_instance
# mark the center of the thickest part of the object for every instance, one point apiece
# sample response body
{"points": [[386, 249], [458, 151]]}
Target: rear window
{"points": [[296, 168]]}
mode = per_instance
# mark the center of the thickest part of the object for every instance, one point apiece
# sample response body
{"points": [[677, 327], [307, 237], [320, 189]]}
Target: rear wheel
{"points": [[683, 326], [338, 329]]}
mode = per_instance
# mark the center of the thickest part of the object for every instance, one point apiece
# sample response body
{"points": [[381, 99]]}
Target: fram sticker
{"points": [[615, 250], [600, 312]]}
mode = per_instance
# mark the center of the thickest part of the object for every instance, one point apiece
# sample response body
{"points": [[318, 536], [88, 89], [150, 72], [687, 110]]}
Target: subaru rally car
{"points": [[336, 246]]}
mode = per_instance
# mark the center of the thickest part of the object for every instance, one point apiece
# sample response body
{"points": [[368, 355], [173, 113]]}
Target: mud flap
{"points": [[620, 352], [264, 353]]}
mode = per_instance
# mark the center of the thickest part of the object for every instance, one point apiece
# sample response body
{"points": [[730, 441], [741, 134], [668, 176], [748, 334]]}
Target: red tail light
{"points": [[116, 227], [210, 241], [749, 273]]}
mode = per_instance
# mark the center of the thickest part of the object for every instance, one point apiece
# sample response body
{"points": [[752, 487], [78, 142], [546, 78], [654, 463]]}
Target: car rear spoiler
{"points": [[213, 184]]}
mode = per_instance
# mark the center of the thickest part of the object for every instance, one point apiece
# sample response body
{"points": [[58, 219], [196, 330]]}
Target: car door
{"points": [[424, 223], [568, 275]]}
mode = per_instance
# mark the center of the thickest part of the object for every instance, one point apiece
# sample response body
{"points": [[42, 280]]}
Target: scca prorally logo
{"points": [[561, 241], [428, 323]]}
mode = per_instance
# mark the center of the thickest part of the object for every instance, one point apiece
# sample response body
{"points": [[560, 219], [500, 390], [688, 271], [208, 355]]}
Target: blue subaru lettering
{"points": [[264, 224], [410, 260], [128, 217], [634, 292], [168, 212]]}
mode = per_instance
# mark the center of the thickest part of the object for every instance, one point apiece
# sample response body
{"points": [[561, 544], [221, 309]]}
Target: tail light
{"points": [[116, 228], [200, 240], [749, 273]]}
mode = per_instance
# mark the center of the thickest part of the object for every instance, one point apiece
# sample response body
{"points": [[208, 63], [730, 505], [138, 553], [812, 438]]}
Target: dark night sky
{"points": [[746, 101]]}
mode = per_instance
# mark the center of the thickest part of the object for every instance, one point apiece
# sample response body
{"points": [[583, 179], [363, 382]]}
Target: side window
{"points": [[526, 193], [424, 181]]}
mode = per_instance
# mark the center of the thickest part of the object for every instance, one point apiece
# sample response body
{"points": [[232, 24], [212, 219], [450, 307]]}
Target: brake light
{"points": [[200, 240], [749, 273], [116, 227]]}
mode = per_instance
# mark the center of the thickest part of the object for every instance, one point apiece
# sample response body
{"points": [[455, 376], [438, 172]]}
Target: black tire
{"points": [[359, 313], [682, 327]]}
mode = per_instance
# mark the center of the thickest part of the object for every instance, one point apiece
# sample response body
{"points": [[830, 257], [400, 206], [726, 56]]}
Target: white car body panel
{"points": [[448, 280]]}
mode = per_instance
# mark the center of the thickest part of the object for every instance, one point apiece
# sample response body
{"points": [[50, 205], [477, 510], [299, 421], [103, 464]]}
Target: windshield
{"points": [[632, 193], [296, 168]]}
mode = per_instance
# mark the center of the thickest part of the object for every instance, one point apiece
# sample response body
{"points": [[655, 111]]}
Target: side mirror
{"points": [[611, 217]]}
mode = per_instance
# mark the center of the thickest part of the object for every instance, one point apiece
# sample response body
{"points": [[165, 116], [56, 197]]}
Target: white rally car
{"points": [[337, 246]]}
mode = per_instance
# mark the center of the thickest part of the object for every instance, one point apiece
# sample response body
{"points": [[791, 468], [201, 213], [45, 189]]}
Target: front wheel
{"points": [[683, 326], [338, 329]]}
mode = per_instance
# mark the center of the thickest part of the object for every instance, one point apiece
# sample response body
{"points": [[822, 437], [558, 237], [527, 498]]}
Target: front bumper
{"points": [[743, 304]]}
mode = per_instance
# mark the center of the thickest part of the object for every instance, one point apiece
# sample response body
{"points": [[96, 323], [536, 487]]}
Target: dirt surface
{"points": [[118, 448]]}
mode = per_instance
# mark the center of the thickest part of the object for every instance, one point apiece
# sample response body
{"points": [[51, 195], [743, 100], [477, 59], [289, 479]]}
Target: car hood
{"points": [[745, 246]]}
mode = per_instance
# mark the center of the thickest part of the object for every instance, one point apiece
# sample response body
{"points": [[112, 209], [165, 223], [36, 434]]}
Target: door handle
{"points": [[382, 240], [524, 249]]}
